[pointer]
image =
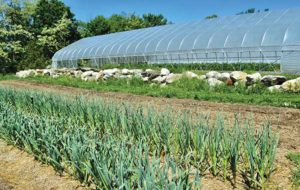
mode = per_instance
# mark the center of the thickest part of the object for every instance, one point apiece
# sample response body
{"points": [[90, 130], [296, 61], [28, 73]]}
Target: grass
{"points": [[112, 146], [295, 158], [185, 88], [179, 68]]}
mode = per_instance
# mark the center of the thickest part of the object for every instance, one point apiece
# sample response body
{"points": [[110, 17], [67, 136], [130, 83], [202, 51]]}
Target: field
{"points": [[185, 88], [179, 152]]}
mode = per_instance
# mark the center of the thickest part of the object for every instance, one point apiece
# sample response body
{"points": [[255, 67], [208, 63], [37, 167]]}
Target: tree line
{"points": [[31, 31]]}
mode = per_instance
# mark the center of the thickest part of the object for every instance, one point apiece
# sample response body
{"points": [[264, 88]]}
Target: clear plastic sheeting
{"points": [[248, 38]]}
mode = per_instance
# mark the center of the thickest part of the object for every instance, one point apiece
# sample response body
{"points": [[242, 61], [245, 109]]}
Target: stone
{"points": [[213, 74], [191, 75], [111, 72], [48, 72], [86, 74], [292, 85], [26, 73], [126, 72], [202, 77], [224, 77], [253, 78], [173, 77], [212, 82], [271, 80], [151, 74], [160, 79], [77, 74], [145, 79], [238, 76], [276, 88], [164, 72]]}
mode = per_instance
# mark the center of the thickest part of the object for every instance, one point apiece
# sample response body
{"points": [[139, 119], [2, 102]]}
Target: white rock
{"points": [[254, 78], [173, 77], [238, 76], [111, 72], [145, 79], [276, 88], [164, 72], [202, 77], [224, 77], [26, 73], [86, 74], [271, 80], [48, 72], [78, 74], [213, 74], [160, 79], [125, 72], [212, 82], [191, 75], [292, 85]]}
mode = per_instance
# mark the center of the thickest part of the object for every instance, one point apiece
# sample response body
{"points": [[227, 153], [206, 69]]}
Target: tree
{"points": [[98, 26], [13, 33], [212, 16], [49, 12], [54, 38], [117, 23], [151, 20]]}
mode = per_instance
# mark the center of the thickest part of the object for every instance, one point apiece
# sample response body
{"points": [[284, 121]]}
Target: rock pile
{"points": [[165, 77]]}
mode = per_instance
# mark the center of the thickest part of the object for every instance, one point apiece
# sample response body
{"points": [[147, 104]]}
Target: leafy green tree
{"points": [[98, 26], [212, 16], [151, 20], [83, 29], [117, 23], [54, 38], [14, 34], [49, 12]]}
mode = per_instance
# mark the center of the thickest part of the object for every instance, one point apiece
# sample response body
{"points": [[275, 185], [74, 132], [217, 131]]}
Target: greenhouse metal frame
{"points": [[266, 37]]}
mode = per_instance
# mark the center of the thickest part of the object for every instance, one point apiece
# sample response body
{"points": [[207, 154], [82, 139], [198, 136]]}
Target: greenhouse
{"points": [[265, 37]]}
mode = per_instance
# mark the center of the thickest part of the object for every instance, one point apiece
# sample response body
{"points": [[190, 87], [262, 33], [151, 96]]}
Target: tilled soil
{"points": [[285, 121]]}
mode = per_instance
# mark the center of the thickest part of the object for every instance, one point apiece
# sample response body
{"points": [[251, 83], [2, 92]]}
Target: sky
{"points": [[174, 10]]}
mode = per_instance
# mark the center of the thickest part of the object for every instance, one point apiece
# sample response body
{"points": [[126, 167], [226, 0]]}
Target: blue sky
{"points": [[175, 10]]}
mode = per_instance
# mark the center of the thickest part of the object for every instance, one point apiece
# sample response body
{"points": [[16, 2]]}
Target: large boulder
{"points": [[212, 82], [111, 72], [77, 74], [213, 74], [126, 72], [254, 78], [276, 88], [271, 80], [224, 77], [26, 73], [173, 77], [86, 74], [160, 79], [191, 75], [292, 85], [238, 76], [48, 72], [151, 74], [164, 72]]}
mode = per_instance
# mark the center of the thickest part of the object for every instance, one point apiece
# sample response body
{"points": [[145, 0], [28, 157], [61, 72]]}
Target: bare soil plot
{"points": [[286, 122]]}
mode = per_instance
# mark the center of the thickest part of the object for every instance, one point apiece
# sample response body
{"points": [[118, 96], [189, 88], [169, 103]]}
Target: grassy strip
{"points": [[185, 88], [120, 147], [295, 158], [178, 68]]}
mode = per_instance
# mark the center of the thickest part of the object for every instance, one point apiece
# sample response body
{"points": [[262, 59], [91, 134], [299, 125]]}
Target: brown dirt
{"points": [[285, 121], [19, 171]]}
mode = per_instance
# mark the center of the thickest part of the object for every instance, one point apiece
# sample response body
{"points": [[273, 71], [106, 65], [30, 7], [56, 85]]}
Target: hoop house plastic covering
{"points": [[264, 37]]}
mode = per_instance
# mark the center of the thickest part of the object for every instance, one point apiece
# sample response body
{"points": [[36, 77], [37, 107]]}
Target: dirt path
{"points": [[19, 171], [285, 121]]}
